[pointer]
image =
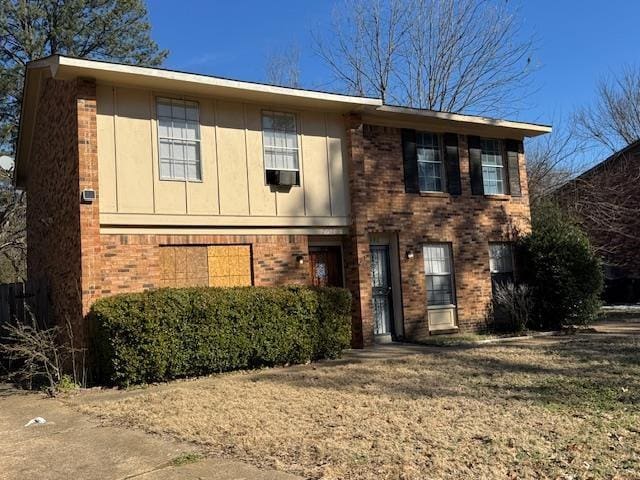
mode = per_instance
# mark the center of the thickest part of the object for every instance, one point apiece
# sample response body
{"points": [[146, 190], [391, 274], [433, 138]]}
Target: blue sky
{"points": [[577, 42]]}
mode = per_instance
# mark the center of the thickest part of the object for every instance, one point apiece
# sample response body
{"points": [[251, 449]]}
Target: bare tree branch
{"points": [[283, 67], [613, 121], [450, 55]]}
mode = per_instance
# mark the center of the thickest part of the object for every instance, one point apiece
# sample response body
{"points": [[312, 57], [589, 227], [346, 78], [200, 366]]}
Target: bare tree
{"points": [[450, 55], [613, 121], [283, 67], [553, 160], [363, 46], [606, 202]]}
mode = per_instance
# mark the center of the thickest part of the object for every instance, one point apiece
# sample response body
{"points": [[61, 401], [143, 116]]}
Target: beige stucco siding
{"points": [[233, 184]]}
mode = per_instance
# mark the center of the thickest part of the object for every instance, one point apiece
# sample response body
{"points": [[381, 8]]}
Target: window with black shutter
{"points": [[475, 165], [452, 162], [514, 148], [409, 160]]}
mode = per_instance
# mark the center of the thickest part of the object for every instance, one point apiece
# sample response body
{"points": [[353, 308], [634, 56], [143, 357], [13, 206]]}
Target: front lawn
{"points": [[561, 407]]}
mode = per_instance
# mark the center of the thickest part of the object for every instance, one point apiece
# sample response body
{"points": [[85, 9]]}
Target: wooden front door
{"points": [[326, 266]]}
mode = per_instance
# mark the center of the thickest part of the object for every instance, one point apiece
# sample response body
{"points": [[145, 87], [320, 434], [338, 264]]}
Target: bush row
{"points": [[170, 333]]}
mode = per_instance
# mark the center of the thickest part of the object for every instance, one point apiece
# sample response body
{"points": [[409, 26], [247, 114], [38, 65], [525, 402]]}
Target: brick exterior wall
{"points": [[131, 263], [606, 201], [60, 231], [468, 223], [82, 265]]}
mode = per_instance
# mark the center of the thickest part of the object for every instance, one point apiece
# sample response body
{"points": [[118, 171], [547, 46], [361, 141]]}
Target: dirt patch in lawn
{"points": [[546, 408]]}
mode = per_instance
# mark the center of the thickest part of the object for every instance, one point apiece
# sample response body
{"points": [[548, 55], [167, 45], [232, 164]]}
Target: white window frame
{"points": [[276, 148], [450, 273], [494, 148], [421, 144], [179, 142]]}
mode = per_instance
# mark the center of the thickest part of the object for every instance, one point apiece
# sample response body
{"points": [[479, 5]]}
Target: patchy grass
{"points": [[556, 407], [186, 459], [455, 340]]}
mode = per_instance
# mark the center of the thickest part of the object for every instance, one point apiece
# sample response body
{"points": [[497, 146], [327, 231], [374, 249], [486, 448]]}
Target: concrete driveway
{"points": [[71, 445]]}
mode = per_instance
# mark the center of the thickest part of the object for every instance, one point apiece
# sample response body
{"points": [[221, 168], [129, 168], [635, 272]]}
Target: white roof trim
{"points": [[57, 61], [458, 117]]}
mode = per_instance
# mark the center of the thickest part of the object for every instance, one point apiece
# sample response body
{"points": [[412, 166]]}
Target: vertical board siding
{"points": [[231, 151], [133, 152]]}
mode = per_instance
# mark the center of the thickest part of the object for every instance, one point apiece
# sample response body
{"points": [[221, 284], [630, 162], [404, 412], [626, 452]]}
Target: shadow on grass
{"points": [[593, 372]]}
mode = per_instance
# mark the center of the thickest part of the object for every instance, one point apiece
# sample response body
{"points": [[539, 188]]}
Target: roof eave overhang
{"points": [[204, 85], [441, 121]]}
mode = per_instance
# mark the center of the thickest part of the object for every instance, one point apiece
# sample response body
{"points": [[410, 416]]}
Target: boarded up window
{"points": [[229, 265], [184, 266], [214, 265]]}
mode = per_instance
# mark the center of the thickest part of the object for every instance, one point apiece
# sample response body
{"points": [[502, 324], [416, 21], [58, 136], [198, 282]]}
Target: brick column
{"points": [[88, 179], [356, 248]]}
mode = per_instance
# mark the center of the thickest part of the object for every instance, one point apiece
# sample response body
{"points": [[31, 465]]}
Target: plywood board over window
{"points": [[212, 265], [183, 266], [229, 265]]}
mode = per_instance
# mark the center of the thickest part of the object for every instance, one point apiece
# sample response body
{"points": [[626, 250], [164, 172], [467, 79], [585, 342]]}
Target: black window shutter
{"points": [[514, 147], [475, 165], [410, 161], [452, 163]]}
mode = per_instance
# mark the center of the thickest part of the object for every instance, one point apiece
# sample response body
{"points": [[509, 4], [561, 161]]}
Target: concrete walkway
{"points": [[73, 446]]}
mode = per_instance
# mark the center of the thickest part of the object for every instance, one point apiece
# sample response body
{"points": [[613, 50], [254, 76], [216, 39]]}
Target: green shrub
{"points": [[170, 333], [561, 268]]}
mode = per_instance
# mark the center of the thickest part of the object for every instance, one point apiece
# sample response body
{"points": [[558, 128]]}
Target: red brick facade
{"points": [[606, 201], [82, 264], [468, 222], [131, 263], [60, 231]]}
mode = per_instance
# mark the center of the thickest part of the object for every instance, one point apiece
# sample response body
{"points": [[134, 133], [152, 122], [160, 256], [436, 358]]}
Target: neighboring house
{"points": [[606, 201], [206, 181]]}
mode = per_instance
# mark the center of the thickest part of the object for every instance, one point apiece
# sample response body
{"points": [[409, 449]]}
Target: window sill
{"points": [[500, 198], [182, 180], [440, 307], [435, 194]]}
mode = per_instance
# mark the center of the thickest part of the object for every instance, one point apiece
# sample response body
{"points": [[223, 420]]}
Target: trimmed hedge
{"points": [[170, 333]]}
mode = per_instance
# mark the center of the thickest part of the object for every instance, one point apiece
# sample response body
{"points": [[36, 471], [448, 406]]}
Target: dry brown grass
{"points": [[550, 408]]}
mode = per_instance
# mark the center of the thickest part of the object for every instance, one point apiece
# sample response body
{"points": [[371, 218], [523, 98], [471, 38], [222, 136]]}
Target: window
{"points": [[439, 272], [430, 171], [205, 265], [179, 140], [280, 139], [493, 171], [500, 263]]}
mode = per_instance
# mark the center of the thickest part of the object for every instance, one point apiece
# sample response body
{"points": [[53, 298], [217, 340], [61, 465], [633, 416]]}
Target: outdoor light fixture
{"points": [[410, 254], [299, 259], [88, 195]]}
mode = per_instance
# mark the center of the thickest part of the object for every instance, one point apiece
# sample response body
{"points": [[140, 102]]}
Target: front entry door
{"points": [[326, 266], [381, 285]]}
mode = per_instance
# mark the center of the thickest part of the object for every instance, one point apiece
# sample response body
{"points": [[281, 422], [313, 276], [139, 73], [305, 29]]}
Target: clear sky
{"points": [[577, 42]]}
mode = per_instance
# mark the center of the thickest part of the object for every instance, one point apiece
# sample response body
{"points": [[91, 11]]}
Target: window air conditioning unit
{"points": [[283, 178]]}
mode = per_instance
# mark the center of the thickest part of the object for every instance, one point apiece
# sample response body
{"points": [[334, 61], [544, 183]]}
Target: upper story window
{"points": [[493, 171], [430, 171], [280, 140], [179, 140], [439, 271]]}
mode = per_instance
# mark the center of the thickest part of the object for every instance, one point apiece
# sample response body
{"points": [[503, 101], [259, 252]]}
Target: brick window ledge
{"points": [[435, 194], [500, 198]]}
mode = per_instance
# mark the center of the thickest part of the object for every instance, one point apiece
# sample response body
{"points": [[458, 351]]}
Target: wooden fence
{"points": [[24, 302]]}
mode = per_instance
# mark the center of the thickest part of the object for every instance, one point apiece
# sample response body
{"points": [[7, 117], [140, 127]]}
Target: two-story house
{"points": [[605, 199], [140, 178]]}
